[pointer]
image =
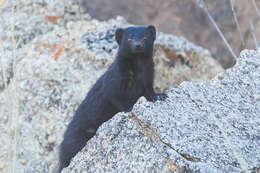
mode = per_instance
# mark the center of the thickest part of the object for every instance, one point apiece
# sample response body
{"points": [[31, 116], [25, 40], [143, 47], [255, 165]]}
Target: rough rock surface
{"points": [[56, 66], [31, 19], [205, 127]]}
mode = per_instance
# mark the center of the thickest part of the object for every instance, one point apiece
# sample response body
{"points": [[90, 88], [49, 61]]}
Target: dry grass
{"points": [[12, 154], [252, 28], [15, 44], [4, 77], [204, 7], [256, 8], [237, 23]]}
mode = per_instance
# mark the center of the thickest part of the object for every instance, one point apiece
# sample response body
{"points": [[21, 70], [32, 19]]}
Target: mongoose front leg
{"points": [[150, 95], [121, 104]]}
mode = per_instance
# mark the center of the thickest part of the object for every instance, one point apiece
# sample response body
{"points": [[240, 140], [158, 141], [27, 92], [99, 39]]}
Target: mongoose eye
{"points": [[129, 40]]}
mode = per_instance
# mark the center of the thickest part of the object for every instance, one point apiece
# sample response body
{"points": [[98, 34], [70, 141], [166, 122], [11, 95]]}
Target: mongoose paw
{"points": [[160, 96]]}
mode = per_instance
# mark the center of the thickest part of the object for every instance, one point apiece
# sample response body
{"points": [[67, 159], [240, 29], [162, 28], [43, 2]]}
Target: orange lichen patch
{"points": [[172, 166], [58, 53], [52, 47], [170, 54], [53, 19], [57, 48], [23, 163]]}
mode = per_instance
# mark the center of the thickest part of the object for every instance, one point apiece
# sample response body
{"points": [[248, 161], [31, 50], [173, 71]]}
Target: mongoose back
{"points": [[128, 78]]}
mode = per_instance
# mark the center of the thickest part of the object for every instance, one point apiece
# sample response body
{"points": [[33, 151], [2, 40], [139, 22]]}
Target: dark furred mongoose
{"points": [[128, 78]]}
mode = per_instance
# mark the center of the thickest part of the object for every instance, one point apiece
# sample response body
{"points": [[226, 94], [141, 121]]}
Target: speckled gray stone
{"points": [[217, 122], [30, 22], [55, 70]]}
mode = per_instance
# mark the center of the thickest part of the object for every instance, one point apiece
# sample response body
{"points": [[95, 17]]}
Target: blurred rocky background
{"points": [[185, 18]]}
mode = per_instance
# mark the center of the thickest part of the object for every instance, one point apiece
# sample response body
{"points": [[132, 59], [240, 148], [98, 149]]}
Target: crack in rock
{"points": [[149, 132]]}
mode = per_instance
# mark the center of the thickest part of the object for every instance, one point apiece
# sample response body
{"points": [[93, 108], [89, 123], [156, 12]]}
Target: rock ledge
{"points": [[202, 127]]}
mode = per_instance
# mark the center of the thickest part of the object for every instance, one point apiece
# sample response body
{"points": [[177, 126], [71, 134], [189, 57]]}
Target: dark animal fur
{"points": [[126, 80]]}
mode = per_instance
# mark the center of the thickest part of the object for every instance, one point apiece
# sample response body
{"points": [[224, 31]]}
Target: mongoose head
{"points": [[136, 40]]}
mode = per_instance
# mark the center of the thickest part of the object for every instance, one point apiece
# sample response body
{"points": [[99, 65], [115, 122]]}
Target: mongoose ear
{"points": [[152, 29], [119, 35]]}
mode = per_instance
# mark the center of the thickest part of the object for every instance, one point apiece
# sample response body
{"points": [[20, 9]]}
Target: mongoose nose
{"points": [[138, 46]]}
